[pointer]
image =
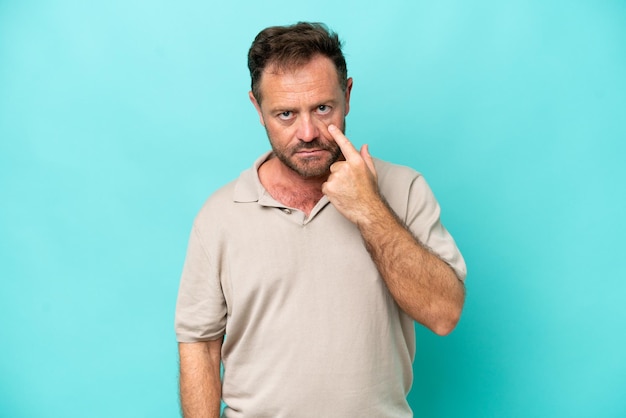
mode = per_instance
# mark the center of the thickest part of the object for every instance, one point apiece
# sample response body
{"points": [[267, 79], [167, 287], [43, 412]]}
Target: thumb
{"points": [[365, 154]]}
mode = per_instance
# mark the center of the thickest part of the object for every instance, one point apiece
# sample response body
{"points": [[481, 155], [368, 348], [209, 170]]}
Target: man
{"points": [[313, 264]]}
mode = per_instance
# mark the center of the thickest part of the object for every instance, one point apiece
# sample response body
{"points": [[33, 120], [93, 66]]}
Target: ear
{"points": [[257, 106], [348, 90]]}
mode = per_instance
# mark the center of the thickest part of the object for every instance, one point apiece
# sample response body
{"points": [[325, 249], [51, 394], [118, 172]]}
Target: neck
{"points": [[289, 188]]}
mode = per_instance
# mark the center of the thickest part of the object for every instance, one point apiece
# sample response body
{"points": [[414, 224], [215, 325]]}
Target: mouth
{"points": [[310, 152]]}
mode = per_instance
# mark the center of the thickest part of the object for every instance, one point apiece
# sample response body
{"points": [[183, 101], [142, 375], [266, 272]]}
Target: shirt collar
{"points": [[248, 187]]}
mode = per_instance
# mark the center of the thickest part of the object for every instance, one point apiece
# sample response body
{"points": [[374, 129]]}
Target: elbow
{"points": [[447, 319], [440, 322], [445, 326], [449, 312]]}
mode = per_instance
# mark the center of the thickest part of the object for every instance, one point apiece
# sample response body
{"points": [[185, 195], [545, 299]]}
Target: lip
{"points": [[310, 152]]}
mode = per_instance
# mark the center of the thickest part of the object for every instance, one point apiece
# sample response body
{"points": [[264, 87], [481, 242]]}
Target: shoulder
{"points": [[405, 189], [241, 190], [217, 204], [395, 177]]}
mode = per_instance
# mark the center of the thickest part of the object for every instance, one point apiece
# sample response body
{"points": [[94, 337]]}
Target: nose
{"points": [[307, 130]]}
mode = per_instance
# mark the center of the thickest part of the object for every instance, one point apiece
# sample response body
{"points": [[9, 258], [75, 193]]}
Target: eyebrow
{"points": [[279, 109]]}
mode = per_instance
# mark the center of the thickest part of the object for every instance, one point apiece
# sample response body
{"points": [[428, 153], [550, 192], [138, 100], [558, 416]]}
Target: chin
{"points": [[312, 172], [311, 169]]}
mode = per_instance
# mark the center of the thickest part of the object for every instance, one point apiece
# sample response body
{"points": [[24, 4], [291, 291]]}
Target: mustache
{"points": [[315, 144]]}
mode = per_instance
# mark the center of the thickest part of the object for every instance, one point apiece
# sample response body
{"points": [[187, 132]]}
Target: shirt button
{"points": [[287, 211]]}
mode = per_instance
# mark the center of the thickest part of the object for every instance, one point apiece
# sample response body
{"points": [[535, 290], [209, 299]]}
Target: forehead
{"points": [[318, 77]]}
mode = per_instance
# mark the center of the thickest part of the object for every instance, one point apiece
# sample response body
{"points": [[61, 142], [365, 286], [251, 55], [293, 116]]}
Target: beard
{"points": [[308, 167]]}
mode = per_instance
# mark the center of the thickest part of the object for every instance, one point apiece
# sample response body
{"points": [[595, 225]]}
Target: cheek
{"points": [[279, 134], [337, 118]]}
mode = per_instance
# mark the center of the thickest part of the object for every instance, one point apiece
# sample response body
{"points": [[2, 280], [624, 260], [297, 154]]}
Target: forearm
{"points": [[200, 384], [423, 285]]}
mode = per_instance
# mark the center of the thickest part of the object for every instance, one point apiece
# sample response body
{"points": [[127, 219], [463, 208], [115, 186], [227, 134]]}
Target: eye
{"points": [[323, 109], [286, 115]]}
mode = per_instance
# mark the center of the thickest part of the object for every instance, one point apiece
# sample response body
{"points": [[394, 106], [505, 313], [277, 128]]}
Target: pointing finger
{"points": [[344, 143]]}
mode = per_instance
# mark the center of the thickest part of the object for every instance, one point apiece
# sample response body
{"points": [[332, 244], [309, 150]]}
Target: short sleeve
{"points": [[201, 306], [423, 219]]}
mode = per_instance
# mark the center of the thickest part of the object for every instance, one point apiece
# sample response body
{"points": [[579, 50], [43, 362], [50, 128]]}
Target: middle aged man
{"points": [[315, 262]]}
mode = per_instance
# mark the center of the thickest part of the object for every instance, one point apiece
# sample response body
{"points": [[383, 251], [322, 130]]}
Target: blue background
{"points": [[118, 119]]}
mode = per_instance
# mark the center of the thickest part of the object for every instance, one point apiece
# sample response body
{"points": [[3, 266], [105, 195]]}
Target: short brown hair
{"points": [[292, 46]]}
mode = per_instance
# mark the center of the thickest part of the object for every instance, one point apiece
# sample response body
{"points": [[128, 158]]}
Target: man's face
{"points": [[297, 107]]}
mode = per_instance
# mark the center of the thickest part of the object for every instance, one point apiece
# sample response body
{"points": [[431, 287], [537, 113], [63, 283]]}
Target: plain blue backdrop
{"points": [[119, 118]]}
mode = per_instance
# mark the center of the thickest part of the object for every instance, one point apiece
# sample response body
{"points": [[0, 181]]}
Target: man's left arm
{"points": [[422, 284]]}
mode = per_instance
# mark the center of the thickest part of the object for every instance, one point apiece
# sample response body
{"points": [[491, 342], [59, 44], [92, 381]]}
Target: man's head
{"points": [[299, 88], [288, 47]]}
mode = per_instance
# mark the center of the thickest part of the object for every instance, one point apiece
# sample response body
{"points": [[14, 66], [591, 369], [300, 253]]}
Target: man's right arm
{"points": [[200, 384]]}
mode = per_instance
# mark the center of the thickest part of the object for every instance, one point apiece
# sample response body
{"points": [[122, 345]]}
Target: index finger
{"points": [[346, 147]]}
